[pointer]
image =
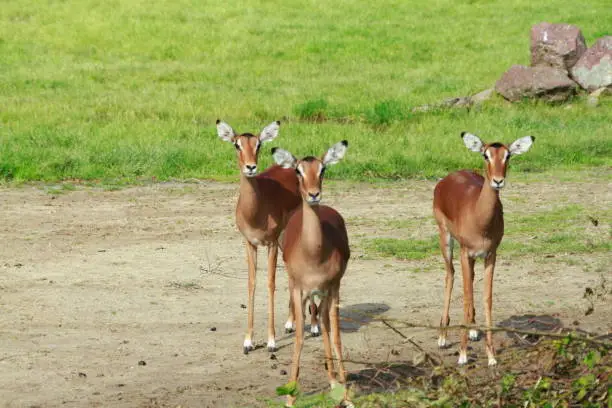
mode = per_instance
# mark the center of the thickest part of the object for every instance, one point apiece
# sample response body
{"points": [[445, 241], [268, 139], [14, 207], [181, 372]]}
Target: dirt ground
{"points": [[133, 298]]}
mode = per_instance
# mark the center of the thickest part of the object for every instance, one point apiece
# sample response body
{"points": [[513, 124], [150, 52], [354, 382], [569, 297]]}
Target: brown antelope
{"points": [[316, 252], [263, 208], [467, 209]]}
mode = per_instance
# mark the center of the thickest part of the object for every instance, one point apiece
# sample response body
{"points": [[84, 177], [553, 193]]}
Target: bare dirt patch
{"points": [[134, 297]]}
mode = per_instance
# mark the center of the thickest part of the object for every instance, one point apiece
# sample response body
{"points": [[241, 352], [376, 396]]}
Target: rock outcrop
{"points": [[546, 83], [556, 45], [594, 69]]}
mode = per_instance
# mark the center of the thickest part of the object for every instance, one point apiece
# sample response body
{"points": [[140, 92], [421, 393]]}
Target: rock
{"points": [[594, 69], [556, 45], [593, 100], [545, 83], [482, 96], [456, 102]]}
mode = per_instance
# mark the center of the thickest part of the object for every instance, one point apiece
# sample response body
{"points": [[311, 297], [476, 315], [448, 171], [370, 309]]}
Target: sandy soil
{"points": [[134, 298]]}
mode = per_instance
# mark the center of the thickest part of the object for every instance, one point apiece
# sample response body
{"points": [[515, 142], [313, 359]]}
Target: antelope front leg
{"points": [[446, 245], [251, 251], [467, 269], [272, 257], [334, 317], [325, 330], [296, 296], [290, 324], [488, 304], [314, 321]]}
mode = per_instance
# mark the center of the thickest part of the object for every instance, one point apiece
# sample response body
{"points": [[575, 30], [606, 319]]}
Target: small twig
{"points": [[573, 334], [402, 335]]}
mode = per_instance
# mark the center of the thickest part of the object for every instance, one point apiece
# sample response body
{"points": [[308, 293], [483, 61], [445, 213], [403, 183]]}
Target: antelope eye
{"points": [[485, 157], [322, 172], [236, 146]]}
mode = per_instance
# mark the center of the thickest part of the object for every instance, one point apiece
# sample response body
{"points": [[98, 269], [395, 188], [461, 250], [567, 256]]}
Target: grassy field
{"points": [[562, 230], [129, 90]]}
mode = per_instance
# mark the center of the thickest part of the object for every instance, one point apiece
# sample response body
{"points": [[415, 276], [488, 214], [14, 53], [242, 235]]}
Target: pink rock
{"points": [[546, 83], [556, 45]]}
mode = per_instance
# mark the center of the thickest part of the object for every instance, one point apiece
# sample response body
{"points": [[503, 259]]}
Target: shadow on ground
{"points": [[541, 323], [354, 316], [383, 377]]}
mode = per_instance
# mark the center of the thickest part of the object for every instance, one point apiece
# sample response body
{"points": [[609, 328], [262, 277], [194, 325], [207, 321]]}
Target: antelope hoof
{"points": [[492, 362], [289, 328], [314, 330], [271, 346], [290, 401], [462, 358], [474, 335], [442, 342], [247, 346]]}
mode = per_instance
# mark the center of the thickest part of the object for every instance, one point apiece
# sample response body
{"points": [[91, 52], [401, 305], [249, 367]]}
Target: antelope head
{"points": [[310, 170], [247, 144], [497, 156]]}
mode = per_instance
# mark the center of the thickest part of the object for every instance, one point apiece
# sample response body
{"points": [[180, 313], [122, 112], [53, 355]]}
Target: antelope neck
{"points": [[487, 204], [311, 235], [248, 199]]}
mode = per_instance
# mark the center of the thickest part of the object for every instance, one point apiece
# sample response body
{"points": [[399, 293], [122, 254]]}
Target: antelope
{"points": [[264, 204], [467, 209], [316, 253]]}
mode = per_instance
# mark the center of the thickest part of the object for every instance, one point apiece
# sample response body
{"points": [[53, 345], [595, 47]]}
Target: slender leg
{"points": [[473, 333], [299, 339], [290, 324], [446, 245], [334, 318], [272, 257], [325, 326], [488, 303], [467, 269], [314, 321], [251, 251]]}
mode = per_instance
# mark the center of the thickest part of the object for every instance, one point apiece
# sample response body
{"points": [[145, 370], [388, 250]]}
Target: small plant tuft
{"points": [[312, 111]]}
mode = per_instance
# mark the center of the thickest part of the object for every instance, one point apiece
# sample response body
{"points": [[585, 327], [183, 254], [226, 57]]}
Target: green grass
{"points": [[128, 90], [562, 230], [405, 249]]}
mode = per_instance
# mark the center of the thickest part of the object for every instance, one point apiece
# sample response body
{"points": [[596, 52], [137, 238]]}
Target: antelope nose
{"points": [[499, 183], [251, 167], [314, 196]]}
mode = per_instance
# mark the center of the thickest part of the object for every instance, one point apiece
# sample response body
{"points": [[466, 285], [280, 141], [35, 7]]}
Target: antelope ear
{"points": [[225, 131], [283, 158], [335, 153], [270, 132], [521, 145], [472, 142]]}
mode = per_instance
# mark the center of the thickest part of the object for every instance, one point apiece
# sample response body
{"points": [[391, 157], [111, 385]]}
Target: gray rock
{"points": [[546, 83], [593, 98], [556, 45], [594, 69], [482, 96]]}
